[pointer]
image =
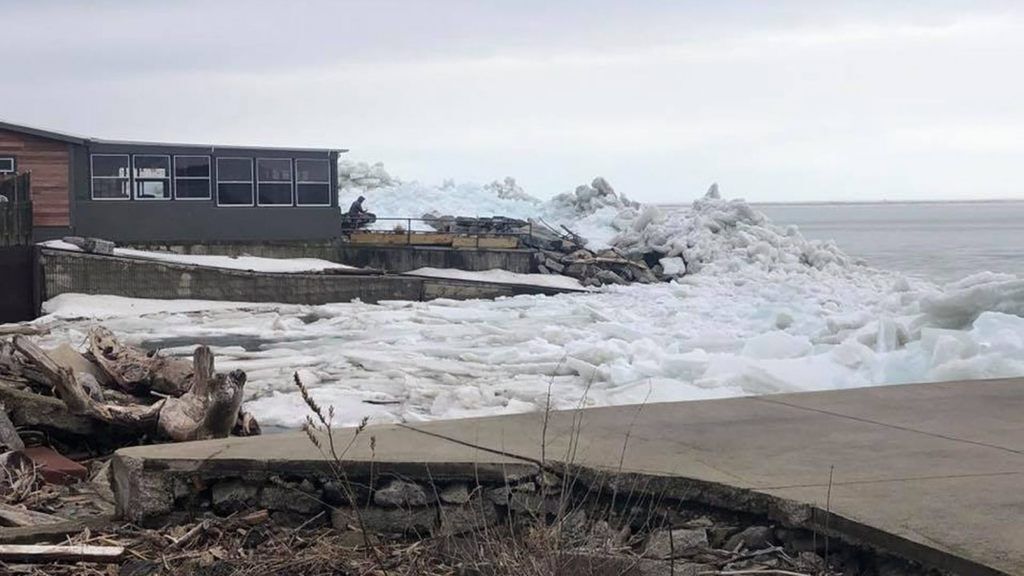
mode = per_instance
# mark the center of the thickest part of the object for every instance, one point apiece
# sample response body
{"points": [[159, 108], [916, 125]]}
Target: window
{"points": [[7, 165], [110, 178], [192, 177], [152, 175], [234, 181], [274, 182], [312, 182]]}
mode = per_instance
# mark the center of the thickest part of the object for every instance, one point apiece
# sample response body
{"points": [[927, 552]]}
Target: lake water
{"points": [[941, 241]]}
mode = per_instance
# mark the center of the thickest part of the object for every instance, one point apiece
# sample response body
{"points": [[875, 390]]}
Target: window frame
{"points": [[251, 182], [327, 182], [93, 177], [291, 183], [14, 165], [167, 180], [208, 178]]}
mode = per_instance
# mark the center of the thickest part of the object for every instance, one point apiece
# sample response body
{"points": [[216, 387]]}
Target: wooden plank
{"points": [[14, 516], [40, 553], [496, 242], [392, 239], [52, 532], [49, 162]]}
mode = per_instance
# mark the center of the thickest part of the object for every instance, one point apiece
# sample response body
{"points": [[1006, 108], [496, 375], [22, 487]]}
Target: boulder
{"points": [[609, 277], [473, 516], [752, 538], [233, 496], [664, 544], [420, 521], [399, 493], [457, 493]]}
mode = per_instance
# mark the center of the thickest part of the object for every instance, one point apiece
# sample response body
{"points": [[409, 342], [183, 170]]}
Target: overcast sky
{"points": [[777, 101]]}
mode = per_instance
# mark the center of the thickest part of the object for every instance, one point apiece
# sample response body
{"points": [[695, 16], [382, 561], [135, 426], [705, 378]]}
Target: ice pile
{"points": [[363, 176], [759, 310]]}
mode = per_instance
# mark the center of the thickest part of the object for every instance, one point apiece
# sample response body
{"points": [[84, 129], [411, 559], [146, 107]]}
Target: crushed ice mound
{"points": [[960, 303], [586, 200], [728, 233], [712, 231], [363, 176]]}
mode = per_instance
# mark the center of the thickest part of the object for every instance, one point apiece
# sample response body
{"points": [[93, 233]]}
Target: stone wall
{"points": [[395, 259], [64, 272]]}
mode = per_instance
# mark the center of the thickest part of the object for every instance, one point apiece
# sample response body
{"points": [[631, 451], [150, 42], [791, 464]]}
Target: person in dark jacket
{"points": [[356, 209], [357, 216]]}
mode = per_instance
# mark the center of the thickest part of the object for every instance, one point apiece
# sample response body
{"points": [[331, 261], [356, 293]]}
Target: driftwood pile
{"points": [[115, 395]]}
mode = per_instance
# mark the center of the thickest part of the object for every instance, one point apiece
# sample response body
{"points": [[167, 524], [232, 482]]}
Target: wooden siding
{"points": [[49, 161]]}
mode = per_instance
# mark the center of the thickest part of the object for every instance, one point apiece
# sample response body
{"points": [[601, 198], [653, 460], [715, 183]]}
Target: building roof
{"points": [[83, 140]]}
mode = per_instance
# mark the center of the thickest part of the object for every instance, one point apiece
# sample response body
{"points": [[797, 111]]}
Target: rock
{"points": [[603, 537], [609, 277], [290, 499], [420, 521], [592, 282], [476, 515], [456, 493], [664, 544], [232, 496], [752, 538], [399, 493], [543, 269], [554, 266]]}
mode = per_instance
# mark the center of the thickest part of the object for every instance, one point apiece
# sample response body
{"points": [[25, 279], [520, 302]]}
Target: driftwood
{"points": [[210, 408], [39, 553], [14, 516], [191, 400], [78, 400], [139, 371]]}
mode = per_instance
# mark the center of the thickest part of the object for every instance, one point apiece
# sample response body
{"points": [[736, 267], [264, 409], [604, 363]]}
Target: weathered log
{"points": [[209, 409], [135, 370], [23, 329], [74, 395]]}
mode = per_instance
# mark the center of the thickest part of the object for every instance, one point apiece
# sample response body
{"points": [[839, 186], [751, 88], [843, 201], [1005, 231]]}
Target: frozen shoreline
{"points": [[760, 310]]}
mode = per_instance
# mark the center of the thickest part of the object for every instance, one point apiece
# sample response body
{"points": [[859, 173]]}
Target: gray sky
{"points": [[777, 101]]}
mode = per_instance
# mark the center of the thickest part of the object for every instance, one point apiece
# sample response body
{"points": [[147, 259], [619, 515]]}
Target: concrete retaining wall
{"points": [[396, 259], [65, 272]]}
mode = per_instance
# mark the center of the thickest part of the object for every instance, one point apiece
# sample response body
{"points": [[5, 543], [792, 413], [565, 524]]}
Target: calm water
{"points": [[939, 241]]}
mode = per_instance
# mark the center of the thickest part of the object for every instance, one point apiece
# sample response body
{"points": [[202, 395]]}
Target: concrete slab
{"points": [[932, 472]]}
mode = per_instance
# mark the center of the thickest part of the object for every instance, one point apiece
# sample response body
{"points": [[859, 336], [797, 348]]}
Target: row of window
{"points": [[275, 182]]}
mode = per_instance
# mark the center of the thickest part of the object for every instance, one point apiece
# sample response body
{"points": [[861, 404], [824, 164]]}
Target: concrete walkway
{"points": [[932, 472]]}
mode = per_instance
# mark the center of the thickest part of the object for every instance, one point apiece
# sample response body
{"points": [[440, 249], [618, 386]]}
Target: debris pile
{"points": [[114, 395]]}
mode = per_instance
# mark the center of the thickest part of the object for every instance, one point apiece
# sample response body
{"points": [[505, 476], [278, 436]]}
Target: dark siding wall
{"points": [[198, 220]]}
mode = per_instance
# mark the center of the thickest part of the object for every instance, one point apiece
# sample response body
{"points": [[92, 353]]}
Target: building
{"points": [[153, 192]]}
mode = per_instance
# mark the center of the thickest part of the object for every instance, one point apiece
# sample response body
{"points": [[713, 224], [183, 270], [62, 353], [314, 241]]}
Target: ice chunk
{"points": [[777, 344], [673, 267]]}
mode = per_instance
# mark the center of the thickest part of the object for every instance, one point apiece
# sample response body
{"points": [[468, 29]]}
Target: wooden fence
{"points": [[16, 210]]}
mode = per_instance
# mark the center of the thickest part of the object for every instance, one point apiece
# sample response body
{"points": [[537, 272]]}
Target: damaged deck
{"points": [[929, 472]]}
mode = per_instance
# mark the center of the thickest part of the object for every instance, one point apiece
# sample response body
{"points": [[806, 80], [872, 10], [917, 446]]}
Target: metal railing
{"points": [[450, 226]]}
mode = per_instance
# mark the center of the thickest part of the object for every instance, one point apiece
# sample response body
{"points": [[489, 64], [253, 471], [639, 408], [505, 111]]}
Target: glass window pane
{"points": [[275, 194], [237, 169], [274, 170], [192, 188], [237, 194], [110, 188], [312, 171], [7, 164], [192, 166], [313, 194], [152, 166], [110, 166], [150, 189]]}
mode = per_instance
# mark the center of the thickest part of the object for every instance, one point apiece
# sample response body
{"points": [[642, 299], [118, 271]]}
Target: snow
{"points": [[761, 310], [251, 263], [503, 277]]}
